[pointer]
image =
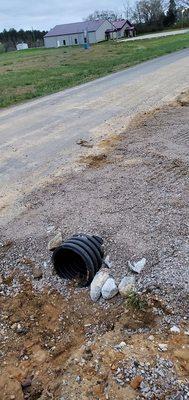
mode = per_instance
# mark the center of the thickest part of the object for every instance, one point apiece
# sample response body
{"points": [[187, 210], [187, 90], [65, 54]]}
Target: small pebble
{"points": [[120, 346], [162, 346], [175, 329], [136, 381], [37, 273]]}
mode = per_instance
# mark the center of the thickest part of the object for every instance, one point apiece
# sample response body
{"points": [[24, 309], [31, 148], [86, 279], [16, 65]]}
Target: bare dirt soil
{"points": [[132, 189]]}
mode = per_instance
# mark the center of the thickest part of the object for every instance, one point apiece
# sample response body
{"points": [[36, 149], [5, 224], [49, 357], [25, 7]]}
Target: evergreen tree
{"points": [[10, 38], [171, 13]]}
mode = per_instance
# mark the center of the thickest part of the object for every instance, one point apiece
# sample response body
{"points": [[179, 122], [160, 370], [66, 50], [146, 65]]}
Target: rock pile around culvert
{"points": [[109, 289], [126, 285], [98, 283], [104, 284]]}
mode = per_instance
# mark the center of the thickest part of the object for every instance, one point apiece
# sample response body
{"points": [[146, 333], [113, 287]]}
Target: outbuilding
{"points": [[120, 28], [22, 46], [77, 33]]}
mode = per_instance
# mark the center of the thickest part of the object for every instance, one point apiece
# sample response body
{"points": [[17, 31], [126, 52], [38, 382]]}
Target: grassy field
{"points": [[32, 73]]}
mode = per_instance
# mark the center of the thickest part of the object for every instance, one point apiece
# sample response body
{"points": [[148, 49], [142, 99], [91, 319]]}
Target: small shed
{"points": [[22, 46]]}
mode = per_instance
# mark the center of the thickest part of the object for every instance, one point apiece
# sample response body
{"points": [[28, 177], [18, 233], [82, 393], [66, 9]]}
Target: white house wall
{"points": [[100, 33], [51, 41], [122, 31], [92, 37], [56, 41]]}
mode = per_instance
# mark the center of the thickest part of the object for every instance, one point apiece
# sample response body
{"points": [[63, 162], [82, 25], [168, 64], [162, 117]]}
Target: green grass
{"points": [[37, 72]]}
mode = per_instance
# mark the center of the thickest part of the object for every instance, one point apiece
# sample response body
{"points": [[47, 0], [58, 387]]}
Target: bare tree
{"points": [[128, 10], [104, 14], [148, 11]]}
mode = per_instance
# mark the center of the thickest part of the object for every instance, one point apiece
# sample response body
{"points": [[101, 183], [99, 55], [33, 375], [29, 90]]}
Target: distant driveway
{"points": [[38, 139], [156, 35]]}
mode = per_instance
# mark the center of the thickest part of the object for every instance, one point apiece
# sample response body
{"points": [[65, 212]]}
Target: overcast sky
{"points": [[45, 14]]}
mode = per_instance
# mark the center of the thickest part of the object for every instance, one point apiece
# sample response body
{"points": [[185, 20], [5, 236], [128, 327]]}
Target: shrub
{"points": [[135, 301], [2, 48]]}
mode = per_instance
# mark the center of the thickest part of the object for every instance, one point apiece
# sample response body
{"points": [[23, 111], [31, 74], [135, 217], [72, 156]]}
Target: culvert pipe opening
{"points": [[80, 257]]}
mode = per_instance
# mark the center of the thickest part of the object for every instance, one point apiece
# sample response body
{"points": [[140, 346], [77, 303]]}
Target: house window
{"points": [[85, 40], [75, 41], [64, 43]]}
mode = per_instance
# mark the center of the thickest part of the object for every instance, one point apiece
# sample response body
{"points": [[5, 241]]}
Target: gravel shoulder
{"points": [[132, 189], [156, 35], [38, 139]]}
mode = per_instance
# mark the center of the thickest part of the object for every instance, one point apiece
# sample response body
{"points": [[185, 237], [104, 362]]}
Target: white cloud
{"points": [[48, 13]]}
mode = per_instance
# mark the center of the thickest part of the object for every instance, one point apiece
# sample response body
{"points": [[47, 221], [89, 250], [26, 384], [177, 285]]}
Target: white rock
{"points": [[50, 228], [120, 346], [162, 346], [151, 337], [175, 329], [55, 241], [97, 283], [186, 333], [109, 289], [137, 266], [108, 262], [126, 285]]}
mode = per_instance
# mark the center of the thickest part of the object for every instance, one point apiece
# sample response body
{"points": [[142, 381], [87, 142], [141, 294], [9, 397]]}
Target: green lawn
{"points": [[32, 73]]}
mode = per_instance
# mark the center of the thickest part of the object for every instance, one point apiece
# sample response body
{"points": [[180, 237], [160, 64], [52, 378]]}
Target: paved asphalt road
{"points": [[38, 138], [157, 35]]}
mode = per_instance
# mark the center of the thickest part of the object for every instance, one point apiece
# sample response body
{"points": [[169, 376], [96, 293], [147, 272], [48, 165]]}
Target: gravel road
{"points": [[156, 35], [38, 140]]}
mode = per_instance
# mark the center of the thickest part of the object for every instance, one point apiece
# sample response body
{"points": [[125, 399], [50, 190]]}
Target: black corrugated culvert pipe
{"points": [[80, 257]]}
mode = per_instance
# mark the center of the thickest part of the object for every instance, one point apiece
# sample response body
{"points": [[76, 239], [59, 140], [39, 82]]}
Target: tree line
{"points": [[10, 38], [149, 15]]}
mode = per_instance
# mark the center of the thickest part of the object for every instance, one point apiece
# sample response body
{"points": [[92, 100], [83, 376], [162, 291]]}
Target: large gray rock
{"points": [[55, 242], [109, 289], [97, 284], [137, 266], [126, 285]]}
